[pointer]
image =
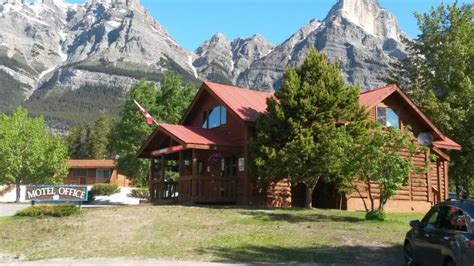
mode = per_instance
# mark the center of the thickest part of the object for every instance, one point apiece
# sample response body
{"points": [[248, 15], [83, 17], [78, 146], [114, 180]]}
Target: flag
{"points": [[148, 117]]}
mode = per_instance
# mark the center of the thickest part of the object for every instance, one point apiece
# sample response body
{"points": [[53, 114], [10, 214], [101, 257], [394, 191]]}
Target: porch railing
{"points": [[163, 190], [207, 189]]}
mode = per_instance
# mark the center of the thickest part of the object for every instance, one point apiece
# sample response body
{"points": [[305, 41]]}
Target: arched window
{"points": [[215, 117]]}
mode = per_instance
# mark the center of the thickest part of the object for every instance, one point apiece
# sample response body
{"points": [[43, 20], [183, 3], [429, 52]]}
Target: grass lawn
{"points": [[210, 234]]}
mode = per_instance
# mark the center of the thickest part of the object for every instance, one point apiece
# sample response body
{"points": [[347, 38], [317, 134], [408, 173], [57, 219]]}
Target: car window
{"points": [[431, 219], [452, 218]]}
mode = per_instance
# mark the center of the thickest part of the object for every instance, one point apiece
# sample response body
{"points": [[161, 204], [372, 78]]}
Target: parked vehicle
{"points": [[445, 236]]}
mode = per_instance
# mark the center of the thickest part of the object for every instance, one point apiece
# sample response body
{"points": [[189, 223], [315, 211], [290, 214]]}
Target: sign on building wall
{"points": [[241, 164], [56, 193]]}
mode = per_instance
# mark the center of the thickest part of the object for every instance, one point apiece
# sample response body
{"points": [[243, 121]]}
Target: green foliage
{"points": [[377, 215], [66, 108], [49, 210], [439, 76], [310, 117], [11, 92], [29, 154], [141, 193], [91, 141], [382, 156], [165, 104], [104, 189]]}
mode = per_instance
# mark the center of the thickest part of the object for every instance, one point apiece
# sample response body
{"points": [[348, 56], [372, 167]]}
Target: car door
{"points": [[449, 240], [424, 245]]}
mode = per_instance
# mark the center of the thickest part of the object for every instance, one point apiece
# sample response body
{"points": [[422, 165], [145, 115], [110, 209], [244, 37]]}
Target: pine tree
{"points": [[307, 122]]}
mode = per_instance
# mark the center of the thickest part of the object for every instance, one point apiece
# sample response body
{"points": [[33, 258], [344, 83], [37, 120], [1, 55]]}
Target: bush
{"points": [[141, 193], [104, 189], [49, 210], [376, 215]]}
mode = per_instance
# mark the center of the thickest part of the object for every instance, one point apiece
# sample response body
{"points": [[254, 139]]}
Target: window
{"points": [[452, 218], [387, 117], [79, 172], [215, 117], [103, 174], [431, 219]]}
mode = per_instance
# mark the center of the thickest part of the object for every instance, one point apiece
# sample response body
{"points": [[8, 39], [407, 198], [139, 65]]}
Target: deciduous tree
{"points": [[29, 154], [438, 75], [380, 162], [166, 103]]}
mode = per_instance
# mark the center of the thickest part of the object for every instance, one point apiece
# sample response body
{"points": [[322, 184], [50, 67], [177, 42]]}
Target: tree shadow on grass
{"points": [[341, 255], [300, 217]]}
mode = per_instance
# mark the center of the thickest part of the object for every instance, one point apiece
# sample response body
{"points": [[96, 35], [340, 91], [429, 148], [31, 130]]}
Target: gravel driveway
{"points": [[112, 262], [9, 209]]}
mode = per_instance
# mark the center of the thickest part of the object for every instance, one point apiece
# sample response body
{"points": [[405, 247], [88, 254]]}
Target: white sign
{"points": [[241, 164]]}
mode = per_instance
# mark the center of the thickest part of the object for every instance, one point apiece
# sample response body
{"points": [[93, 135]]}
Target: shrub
{"points": [[49, 210], [376, 215], [141, 193], [104, 189]]}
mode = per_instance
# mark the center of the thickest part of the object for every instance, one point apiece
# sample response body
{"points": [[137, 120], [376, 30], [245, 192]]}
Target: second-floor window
{"points": [[387, 117], [215, 117]]}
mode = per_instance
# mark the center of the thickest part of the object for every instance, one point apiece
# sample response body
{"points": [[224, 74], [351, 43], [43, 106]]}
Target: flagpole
{"points": [[144, 112]]}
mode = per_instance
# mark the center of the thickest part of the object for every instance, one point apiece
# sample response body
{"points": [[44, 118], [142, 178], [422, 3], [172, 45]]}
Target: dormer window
{"points": [[215, 117], [387, 117]]}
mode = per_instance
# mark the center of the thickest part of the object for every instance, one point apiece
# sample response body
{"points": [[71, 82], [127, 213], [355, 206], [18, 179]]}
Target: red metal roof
{"points": [[90, 164], [373, 97], [247, 104], [447, 143], [195, 135]]}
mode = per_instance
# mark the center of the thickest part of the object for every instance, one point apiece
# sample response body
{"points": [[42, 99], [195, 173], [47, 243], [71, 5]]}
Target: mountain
{"points": [[222, 61], [71, 62], [361, 35]]}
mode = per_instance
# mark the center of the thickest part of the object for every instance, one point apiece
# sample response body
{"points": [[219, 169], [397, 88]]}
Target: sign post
{"points": [[52, 193]]}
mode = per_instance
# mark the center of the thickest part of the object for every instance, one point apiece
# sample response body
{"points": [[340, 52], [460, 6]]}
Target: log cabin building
{"points": [[204, 159], [90, 172]]}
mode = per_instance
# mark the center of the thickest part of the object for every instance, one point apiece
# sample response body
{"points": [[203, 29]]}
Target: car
{"points": [[445, 236]]}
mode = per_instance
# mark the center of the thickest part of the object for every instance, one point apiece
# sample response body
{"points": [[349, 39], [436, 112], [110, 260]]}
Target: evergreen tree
{"points": [[77, 142], [307, 122], [91, 141], [29, 154], [99, 138], [438, 75]]}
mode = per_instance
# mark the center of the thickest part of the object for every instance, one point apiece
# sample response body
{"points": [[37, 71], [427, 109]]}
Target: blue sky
{"points": [[191, 22]]}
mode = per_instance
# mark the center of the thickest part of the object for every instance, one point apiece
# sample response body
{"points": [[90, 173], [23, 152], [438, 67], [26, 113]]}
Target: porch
{"points": [[185, 172]]}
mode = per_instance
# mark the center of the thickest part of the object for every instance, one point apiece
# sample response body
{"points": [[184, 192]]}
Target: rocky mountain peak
{"points": [[369, 15]]}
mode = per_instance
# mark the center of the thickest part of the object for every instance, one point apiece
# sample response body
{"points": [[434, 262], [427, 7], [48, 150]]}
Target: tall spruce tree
{"points": [[311, 116], [438, 75]]}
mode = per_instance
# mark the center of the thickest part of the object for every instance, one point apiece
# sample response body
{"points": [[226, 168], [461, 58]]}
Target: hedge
{"points": [[49, 210], [104, 189], [141, 193]]}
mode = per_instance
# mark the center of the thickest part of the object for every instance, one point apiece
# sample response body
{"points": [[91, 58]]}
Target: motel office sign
{"points": [[56, 193]]}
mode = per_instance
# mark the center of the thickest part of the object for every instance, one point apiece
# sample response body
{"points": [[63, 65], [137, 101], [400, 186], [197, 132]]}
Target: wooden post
{"points": [[162, 168], [446, 179], [180, 163], [438, 175], [151, 184], [194, 174], [428, 177]]}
